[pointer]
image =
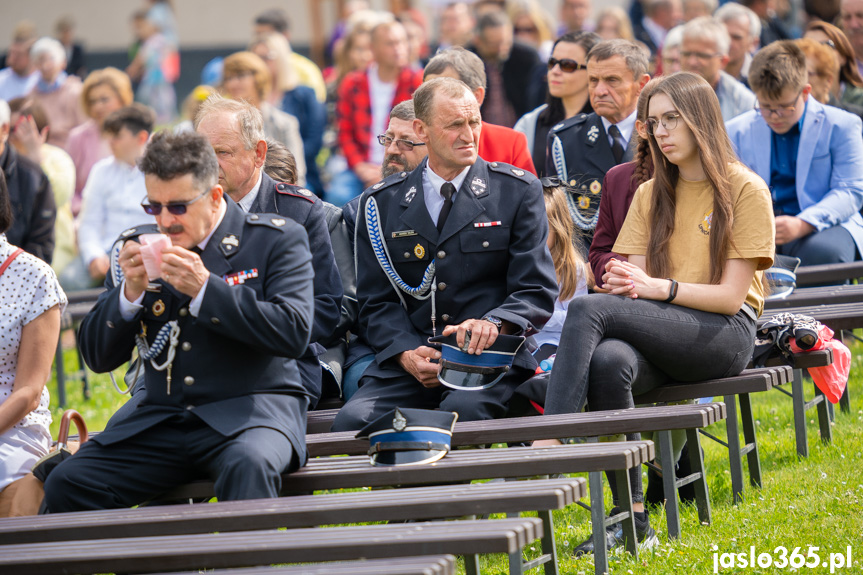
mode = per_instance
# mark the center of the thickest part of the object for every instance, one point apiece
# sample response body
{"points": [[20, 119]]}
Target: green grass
{"points": [[813, 502]]}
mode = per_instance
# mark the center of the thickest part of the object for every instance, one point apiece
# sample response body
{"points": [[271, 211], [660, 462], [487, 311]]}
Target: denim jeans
{"points": [[612, 348]]}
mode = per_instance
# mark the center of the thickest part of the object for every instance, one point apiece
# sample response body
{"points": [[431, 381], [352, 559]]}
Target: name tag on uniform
{"points": [[241, 277], [404, 234], [486, 224]]}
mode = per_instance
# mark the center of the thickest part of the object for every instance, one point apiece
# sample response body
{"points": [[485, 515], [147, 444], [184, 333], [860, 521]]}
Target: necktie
{"points": [[619, 145], [447, 190]]}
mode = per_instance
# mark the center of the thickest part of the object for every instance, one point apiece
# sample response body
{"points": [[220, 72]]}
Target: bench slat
{"points": [[749, 381], [298, 511], [221, 550], [840, 316], [431, 565], [523, 429], [826, 273]]}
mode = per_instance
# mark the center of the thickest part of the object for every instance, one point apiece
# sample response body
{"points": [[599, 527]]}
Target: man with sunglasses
{"points": [[809, 154], [235, 130], [218, 332], [583, 148]]}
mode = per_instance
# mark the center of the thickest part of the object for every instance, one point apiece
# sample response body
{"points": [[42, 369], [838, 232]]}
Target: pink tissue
{"points": [[151, 253]]}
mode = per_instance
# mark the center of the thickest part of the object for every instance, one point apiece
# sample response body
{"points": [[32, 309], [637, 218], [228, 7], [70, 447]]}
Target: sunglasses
{"points": [[566, 65], [176, 208]]}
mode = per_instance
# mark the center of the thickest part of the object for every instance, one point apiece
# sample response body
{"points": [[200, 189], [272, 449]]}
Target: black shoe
{"points": [[645, 534]]}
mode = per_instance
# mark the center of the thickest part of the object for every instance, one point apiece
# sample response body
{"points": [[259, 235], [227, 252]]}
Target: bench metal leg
{"points": [[471, 564], [624, 491], [61, 373], [516, 567], [824, 418], [734, 460], [845, 401], [748, 422], [696, 462], [669, 483], [597, 522], [82, 370], [549, 547], [799, 413]]}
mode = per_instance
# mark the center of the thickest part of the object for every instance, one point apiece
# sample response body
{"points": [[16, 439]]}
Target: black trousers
{"points": [[177, 451]]}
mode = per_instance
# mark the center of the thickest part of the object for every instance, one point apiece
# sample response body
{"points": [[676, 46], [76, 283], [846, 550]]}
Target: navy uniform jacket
{"points": [[491, 259], [32, 201], [233, 365], [579, 153], [306, 209]]}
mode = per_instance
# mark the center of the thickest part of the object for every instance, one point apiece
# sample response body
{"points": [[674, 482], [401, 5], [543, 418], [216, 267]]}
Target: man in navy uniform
{"points": [[583, 148], [218, 332], [457, 245], [236, 131]]}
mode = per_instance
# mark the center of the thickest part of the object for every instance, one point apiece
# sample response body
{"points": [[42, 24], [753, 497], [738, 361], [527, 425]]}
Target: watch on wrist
{"points": [[494, 320]]}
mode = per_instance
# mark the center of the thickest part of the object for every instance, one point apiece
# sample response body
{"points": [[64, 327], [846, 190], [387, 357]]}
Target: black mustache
{"points": [[175, 229]]}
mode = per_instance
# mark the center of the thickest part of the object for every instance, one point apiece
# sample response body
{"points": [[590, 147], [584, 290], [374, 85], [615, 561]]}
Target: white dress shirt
{"points": [[249, 199], [626, 126], [432, 184], [381, 96]]}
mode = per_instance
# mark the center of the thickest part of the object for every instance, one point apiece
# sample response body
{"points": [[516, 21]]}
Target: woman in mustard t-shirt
{"points": [[684, 307]]}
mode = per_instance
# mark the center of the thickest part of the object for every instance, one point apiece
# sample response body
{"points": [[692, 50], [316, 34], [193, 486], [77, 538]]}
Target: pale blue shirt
{"points": [[128, 309], [432, 184], [249, 199], [626, 126], [111, 203], [14, 86]]}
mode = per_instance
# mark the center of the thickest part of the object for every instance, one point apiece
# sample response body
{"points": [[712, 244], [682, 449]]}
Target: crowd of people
{"points": [[610, 185]]}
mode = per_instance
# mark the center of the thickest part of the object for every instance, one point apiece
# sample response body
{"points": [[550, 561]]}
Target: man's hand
{"points": [[133, 270], [482, 334], [790, 228], [417, 362], [368, 173], [184, 270], [99, 267]]}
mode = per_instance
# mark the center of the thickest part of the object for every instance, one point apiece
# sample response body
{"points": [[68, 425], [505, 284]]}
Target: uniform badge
{"points": [[278, 222], [240, 278], [128, 232], [378, 186], [305, 192], [518, 172], [572, 183], [595, 186], [231, 240], [158, 308], [419, 251], [399, 421], [557, 127], [583, 202], [477, 186], [404, 233], [593, 134], [411, 193]]}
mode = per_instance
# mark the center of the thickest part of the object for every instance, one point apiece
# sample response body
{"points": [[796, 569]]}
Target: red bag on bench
{"points": [[830, 379]]}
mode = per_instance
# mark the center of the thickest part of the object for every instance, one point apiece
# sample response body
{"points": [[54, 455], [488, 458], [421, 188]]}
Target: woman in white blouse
{"points": [[31, 302]]}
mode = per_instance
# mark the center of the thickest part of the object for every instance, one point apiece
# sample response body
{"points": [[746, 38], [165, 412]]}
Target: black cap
{"points": [[406, 436]]}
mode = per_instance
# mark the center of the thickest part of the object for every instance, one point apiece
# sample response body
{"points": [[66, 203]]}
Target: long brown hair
{"points": [[568, 263], [643, 158], [696, 102]]}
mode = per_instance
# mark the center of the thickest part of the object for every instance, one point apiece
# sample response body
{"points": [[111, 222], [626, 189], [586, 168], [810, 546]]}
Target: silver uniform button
{"points": [[189, 380], [407, 255], [190, 407], [186, 346], [215, 321], [445, 317], [183, 312], [441, 286], [485, 244], [441, 254], [110, 324]]}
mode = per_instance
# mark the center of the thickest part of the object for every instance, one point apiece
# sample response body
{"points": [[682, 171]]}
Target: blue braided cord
{"points": [[117, 271], [558, 159], [158, 344], [586, 224], [383, 256]]}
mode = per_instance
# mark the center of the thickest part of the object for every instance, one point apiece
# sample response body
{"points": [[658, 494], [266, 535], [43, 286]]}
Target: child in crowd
{"points": [[112, 196], [573, 275]]}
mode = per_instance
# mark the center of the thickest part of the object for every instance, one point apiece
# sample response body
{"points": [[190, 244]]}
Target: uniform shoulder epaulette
{"points": [[138, 231], [273, 221], [396, 178], [570, 122], [512, 171], [295, 191]]}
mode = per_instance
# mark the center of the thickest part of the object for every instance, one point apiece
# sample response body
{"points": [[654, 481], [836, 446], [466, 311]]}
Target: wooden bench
{"points": [[431, 565], [418, 503], [801, 361], [251, 548], [827, 273], [734, 390], [468, 465], [824, 295], [661, 420]]}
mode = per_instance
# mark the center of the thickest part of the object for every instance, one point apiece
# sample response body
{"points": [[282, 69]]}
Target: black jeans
{"points": [[613, 348]]}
